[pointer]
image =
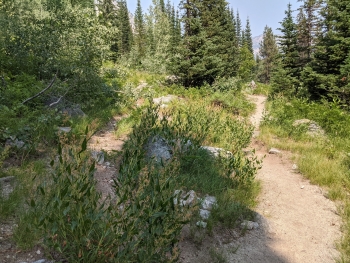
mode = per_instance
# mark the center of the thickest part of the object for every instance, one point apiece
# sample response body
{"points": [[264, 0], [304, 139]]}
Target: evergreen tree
{"points": [[139, 36], [303, 39], [239, 29], [162, 5], [268, 53], [325, 77], [309, 25], [125, 32], [288, 43], [191, 64], [248, 37]]}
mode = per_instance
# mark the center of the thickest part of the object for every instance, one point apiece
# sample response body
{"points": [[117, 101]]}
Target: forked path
{"points": [[298, 224]]}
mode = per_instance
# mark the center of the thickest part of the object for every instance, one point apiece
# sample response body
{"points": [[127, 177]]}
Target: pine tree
{"points": [[125, 32], [268, 53], [191, 65], [303, 39], [288, 43], [248, 37], [310, 24], [239, 29], [326, 76], [139, 36], [162, 5]]}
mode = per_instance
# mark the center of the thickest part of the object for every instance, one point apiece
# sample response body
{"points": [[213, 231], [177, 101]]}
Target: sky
{"points": [[260, 12]]}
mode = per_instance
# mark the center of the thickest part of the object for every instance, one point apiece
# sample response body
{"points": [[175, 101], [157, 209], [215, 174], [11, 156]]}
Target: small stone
{"points": [[165, 99], [216, 152], [64, 129], [42, 261], [295, 167], [99, 157], [204, 214], [302, 187], [209, 202], [38, 252], [107, 163], [186, 199], [201, 224], [249, 225], [274, 151]]}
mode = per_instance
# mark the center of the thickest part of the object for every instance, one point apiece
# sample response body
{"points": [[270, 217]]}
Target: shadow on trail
{"points": [[256, 246]]}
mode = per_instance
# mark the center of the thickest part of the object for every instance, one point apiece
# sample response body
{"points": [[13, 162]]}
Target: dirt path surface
{"points": [[297, 222]]}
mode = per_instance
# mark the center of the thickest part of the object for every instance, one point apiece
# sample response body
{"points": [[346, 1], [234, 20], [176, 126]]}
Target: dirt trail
{"points": [[297, 222]]}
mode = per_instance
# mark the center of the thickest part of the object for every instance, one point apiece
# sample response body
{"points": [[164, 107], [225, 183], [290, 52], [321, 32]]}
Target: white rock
{"points": [[209, 202], [107, 163], [165, 99], [65, 129], [201, 224], [43, 261], [302, 187], [38, 252], [186, 199], [216, 152], [274, 151], [204, 214], [249, 225], [295, 167]]}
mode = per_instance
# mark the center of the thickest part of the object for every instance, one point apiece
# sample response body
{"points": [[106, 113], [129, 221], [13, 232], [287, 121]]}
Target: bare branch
{"points": [[41, 92], [56, 102]]}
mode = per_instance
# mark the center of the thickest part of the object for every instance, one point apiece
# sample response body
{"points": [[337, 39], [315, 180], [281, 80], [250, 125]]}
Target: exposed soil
{"points": [[298, 224]]}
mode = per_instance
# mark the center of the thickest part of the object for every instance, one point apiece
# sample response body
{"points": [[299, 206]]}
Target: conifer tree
{"points": [[288, 43], [139, 36], [125, 32], [326, 76], [239, 29], [268, 53], [309, 24], [162, 5], [191, 64], [303, 39], [248, 37]]}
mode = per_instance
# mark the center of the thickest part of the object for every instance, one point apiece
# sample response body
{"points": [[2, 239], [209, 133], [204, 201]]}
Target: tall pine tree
{"points": [[248, 37], [268, 53], [288, 43], [124, 26], [139, 35]]}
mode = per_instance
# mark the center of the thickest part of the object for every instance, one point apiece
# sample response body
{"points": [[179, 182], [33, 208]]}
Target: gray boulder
{"points": [[313, 128], [157, 148]]}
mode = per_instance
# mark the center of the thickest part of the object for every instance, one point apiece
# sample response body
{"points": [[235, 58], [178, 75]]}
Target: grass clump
{"points": [[142, 224]]}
